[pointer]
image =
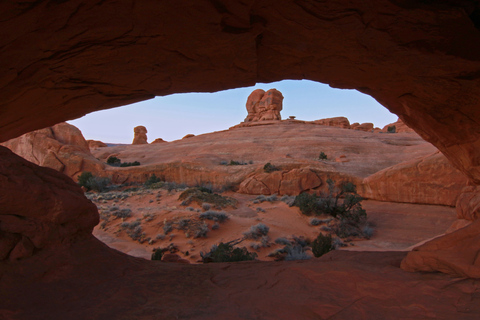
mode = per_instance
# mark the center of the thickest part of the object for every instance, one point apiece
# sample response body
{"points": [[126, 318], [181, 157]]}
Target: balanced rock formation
{"points": [[428, 180], [339, 122], [61, 147], [264, 106], [140, 136]]}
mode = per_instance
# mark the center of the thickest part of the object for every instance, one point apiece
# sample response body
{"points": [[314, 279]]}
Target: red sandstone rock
{"points": [[468, 203], [367, 127], [340, 122], [188, 136], [399, 127], [430, 180], [61, 147], [140, 135], [264, 106], [158, 140], [94, 144], [455, 253], [342, 158], [40, 208]]}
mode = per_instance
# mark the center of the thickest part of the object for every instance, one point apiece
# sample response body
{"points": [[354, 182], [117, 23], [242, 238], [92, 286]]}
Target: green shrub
{"points": [[308, 203], [322, 156], [268, 168], [201, 197], [130, 164], [151, 181], [391, 129], [321, 245], [225, 252], [214, 215], [157, 254], [91, 182], [113, 161]]}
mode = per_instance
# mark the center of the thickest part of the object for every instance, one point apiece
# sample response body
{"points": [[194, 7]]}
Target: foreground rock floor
{"points": [[90, 281]]}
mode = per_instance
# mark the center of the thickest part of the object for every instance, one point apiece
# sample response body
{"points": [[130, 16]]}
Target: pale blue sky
{"points": [[172, 117]]}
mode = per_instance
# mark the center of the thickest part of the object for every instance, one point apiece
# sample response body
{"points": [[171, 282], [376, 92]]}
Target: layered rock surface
{"points": [[264, 106], [61, 147], [140, 135]]}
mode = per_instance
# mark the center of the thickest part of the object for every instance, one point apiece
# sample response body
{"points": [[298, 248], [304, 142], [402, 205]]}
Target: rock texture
{"points": [[399, 127], [367, 127], [41, 208], [340, 122], [140, 136], [429, 180], [468, 203], [95, 144], [158, 140], [264, 106], [61, 147]]}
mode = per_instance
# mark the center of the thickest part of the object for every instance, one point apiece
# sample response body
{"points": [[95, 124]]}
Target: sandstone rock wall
{"points": [[429, 180], [61, 147]]}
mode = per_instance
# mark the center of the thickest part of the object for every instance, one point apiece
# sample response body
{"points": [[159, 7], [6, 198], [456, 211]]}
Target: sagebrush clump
{"points": [[90, 182], [226, 252]]}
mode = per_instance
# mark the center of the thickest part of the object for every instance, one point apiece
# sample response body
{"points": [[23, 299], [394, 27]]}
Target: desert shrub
{"points": [[200, 197], [315, 221], [268, 168], [322, 156], [223, 163], [288, 199], [260, 198], [157, 254], [260, 209], [235, 163], [130, 225], [215, 226], [206, 206], [130, 164], [91, 182], [113, 161], [122, 213], [307, 203], [226, 252], [283, 241], [152, 180], [201, 231], [219, 216], [296, 252], [136, 233], [256, 231], [391, 129], [322, 244], [183, 224], [272, 198], [167, 227]]}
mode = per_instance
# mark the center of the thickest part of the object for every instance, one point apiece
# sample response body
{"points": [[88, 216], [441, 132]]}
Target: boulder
{"points": [[367, 127], [158, 140], [339, 122], [429, 180], [61, 147], [40, 207], [140, 136]]}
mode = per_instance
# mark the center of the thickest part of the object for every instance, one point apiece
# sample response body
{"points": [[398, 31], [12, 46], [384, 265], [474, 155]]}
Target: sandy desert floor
{"points": [[397, 226]]}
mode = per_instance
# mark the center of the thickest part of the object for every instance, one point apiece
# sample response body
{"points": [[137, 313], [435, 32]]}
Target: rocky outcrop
{"points": [[264, 106], [158, 140], [140, 136], [428, 180], [190, 135], [367, 126], [468, 203], [397, 127], [61, 147], [339, 122], [455, 253], [95, 144], [40, 208]]}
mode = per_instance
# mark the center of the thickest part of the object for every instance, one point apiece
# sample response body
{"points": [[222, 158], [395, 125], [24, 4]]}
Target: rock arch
{"points": [[63, 59]]}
